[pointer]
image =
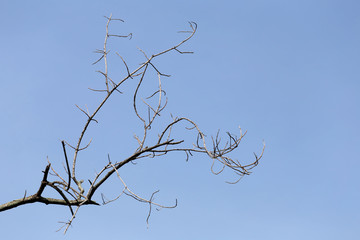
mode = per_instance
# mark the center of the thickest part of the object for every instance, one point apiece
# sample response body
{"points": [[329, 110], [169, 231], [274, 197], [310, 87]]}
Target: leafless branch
{"points": [[151, 143], [67, 165]]}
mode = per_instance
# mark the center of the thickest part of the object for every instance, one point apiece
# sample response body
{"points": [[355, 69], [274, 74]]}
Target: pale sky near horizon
{"points": [[286, 71]]}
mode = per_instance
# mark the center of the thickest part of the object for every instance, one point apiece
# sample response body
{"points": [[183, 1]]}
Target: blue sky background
{"points": [[285, 71]]}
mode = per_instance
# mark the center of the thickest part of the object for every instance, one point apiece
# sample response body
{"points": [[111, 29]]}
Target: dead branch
{"points": [[148, 146]]}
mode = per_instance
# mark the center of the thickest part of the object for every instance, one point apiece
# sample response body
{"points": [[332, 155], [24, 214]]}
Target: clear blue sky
{"points": [[286, 70]]}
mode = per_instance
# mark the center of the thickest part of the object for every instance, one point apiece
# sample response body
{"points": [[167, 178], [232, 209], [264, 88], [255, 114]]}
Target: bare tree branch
{"points": [[67, 165], [151, 143]]}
